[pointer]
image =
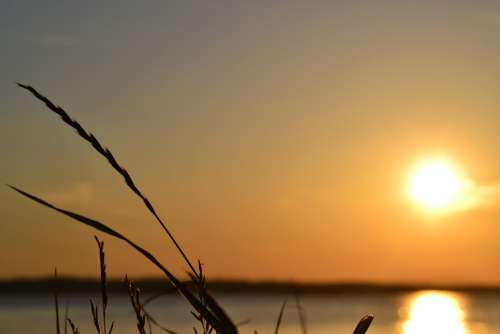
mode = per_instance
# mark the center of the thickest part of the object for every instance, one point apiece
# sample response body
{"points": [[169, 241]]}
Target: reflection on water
{"points": [[425, 312], [433, 312]]}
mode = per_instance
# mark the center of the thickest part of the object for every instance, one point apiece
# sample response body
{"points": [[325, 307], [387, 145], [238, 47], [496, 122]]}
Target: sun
{"points": [[436, 184]]}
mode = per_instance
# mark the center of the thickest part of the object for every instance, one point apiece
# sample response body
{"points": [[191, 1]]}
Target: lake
{"points": [[423, 312]]}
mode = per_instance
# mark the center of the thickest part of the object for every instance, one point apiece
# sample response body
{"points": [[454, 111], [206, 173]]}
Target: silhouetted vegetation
{"points": [[210, 315]]}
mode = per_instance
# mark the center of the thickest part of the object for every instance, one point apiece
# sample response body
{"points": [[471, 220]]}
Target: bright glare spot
{"points": [[435, 312], [435, 184]]}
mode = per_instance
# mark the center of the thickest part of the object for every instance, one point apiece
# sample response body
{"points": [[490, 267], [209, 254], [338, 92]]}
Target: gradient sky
{"points": [[274, 137]]}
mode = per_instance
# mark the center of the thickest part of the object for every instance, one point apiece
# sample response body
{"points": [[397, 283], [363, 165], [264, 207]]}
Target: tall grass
{"points": [[101, 326], [74, 329], [56, 303], [280, 316], [302, 315], [211, 316]]}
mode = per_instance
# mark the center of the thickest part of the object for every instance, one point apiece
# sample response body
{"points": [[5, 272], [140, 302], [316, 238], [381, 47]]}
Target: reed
{"points": [[134, 294], [66, 311], [101, 326], [213, 313], [106, 153], [207, 311], [301, 314], [74, 329], [56, 303], [363, 324], [280, 316]]}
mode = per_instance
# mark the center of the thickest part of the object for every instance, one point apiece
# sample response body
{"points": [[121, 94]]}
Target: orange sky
{"points": [[274, 139]]}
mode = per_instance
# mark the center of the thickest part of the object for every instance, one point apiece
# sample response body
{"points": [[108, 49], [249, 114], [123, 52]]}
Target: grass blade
{"points": [[220, 313], [134, 294], [106, 153], [280, 316], [220, 325], [302, 315], [56, 302], [66, 311], [363, 324], [104, 294], [95, 316], [74, 329]]}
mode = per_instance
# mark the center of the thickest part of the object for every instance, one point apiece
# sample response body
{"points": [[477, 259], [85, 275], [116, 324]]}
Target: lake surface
{"points": [[423, 312]]}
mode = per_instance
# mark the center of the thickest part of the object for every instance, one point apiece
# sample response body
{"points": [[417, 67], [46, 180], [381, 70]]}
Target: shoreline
{"points": [[154, 285]]}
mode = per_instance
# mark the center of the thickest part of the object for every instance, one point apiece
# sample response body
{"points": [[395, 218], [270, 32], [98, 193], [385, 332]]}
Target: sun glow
{"points": [[435, 312], [436, 184]]}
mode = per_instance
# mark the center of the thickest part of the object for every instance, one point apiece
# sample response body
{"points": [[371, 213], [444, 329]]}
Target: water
{"points": [[424, 312]]}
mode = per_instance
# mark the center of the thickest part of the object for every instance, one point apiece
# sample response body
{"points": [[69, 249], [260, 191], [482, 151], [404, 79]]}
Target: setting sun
{"points": [[436, 184]]}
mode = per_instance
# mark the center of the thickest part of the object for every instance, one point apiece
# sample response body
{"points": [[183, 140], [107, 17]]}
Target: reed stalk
{"points": [[106, 153]]}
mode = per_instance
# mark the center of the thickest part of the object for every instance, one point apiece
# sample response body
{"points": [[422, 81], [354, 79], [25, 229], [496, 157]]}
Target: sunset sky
{"points": [[276, 138]]}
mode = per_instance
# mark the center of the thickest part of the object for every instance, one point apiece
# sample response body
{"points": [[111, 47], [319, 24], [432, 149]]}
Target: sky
{"points": [[274, 137]]}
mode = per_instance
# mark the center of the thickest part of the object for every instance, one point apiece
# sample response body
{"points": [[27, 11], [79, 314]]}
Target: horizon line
{"points": [[74, 284]]}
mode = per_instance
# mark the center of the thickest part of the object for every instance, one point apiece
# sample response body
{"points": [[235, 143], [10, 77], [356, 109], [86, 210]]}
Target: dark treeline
{"points": [[152, 286]]}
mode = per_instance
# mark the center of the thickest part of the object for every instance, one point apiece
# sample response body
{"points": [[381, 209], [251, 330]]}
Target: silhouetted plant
{"points": [[66, 312], [206, 310], [74, 329], [89, 137], [280, 316], [363, 324], [101, 327], [134, 294], [56, 303], [209, 309], [302, 315]]}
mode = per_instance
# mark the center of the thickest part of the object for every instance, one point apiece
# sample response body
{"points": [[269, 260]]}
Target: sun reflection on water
{"points": [[433, 312]]}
